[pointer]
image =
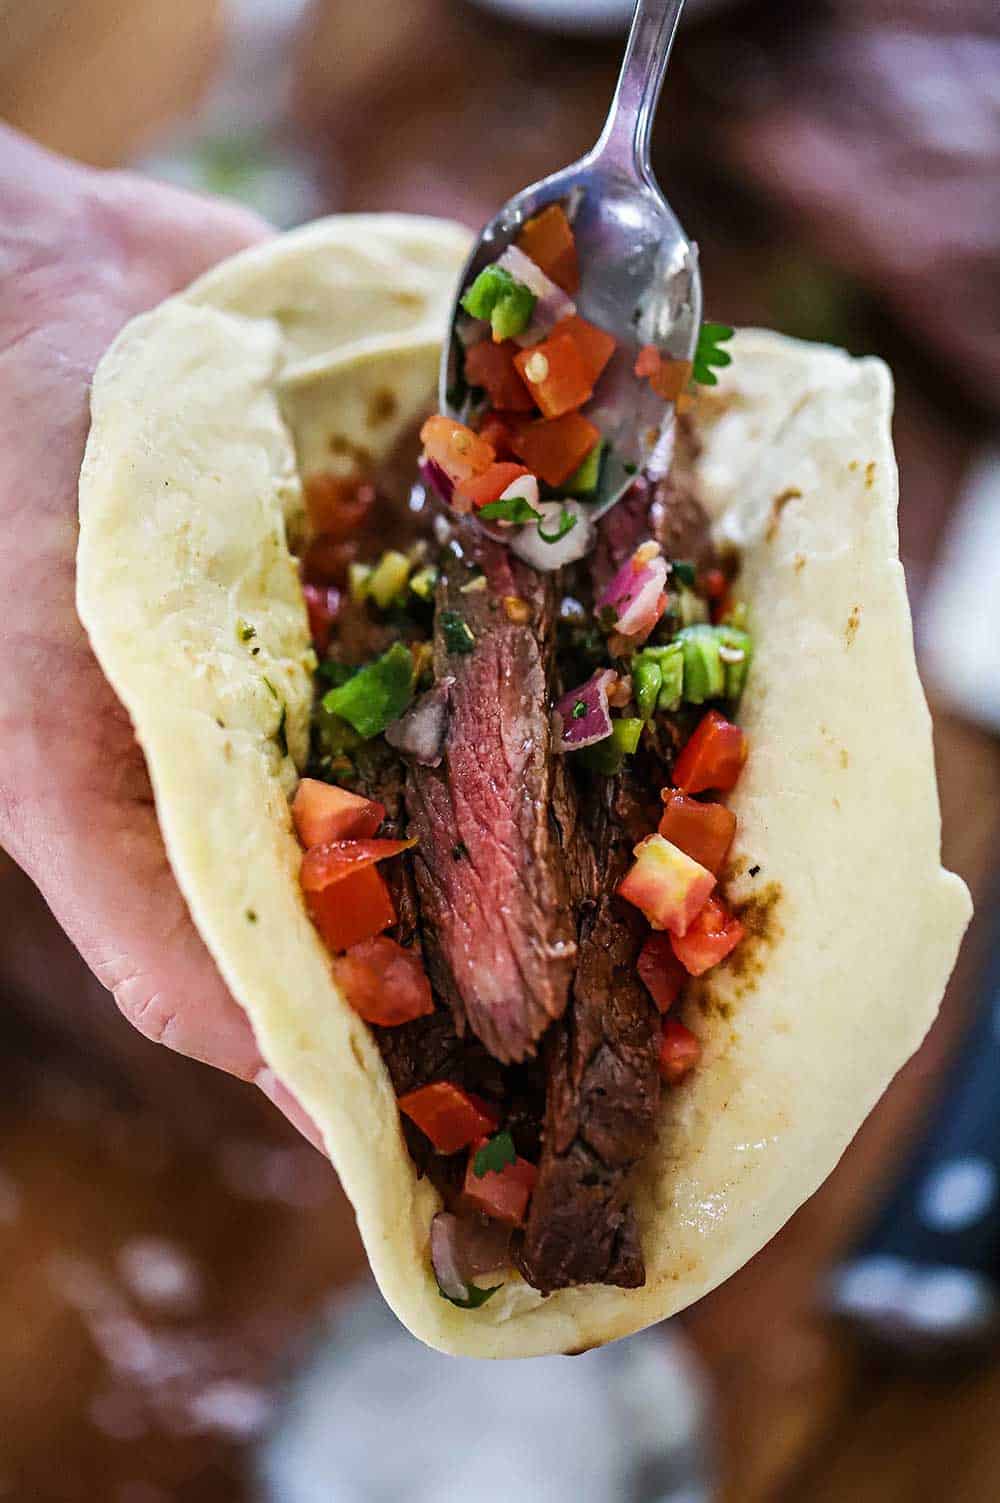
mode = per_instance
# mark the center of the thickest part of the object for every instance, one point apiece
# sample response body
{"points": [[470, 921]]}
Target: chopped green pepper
{"points": [[583, 481], [388, 578], [608, 756], [704, 670], [507, 304], [377, 694], [736, 651], [669, 661]]}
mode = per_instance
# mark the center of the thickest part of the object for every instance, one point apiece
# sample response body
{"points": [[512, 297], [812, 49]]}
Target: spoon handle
{"points": [[624, 141]]}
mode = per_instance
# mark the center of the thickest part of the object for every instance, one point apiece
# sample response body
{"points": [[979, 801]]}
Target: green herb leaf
{"points": [[579, 710], [683, 572], [494, 1155], [376, 695], [510, 509], [476, 1297], [456, 633], [708, 353], [567, 521]]}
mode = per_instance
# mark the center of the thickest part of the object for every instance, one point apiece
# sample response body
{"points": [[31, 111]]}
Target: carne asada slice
{"points": [[603, 1081], [490, 874]]}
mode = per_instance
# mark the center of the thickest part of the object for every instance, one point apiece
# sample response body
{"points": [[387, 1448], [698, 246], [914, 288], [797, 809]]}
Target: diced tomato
{"points": [[495, 430], [710, 938], [713, 757], [450, 1117], [322, 607], [352, 910], [492, 367], [502, 1194], [383, 982], [680, 1051], [322, 812], [548, 240], [666, 885], [322, 865], [714, 584], [553, 449], [704, 831], [660, 971], [667, 377], [461, 453], [490, 486], [595, 345], [647, 362], [556, 375]]}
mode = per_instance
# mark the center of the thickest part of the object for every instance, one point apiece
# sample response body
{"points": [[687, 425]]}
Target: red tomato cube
{"points": [[668, 887], [713, 757], [450, 1117], [321, 812], [660, 971], [492, 367], [352, 910], [461, 453], [503, 1194], [556, 375], [704, 831], [680, 1051], [711, 937], [383, 982]]}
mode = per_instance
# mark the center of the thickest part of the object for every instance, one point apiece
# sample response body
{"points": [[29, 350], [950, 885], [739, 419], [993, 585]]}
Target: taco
{"points": [[586, 908]]}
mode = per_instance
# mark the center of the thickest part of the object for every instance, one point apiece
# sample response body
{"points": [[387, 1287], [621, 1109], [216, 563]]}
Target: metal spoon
{"points": [[639, 271]]}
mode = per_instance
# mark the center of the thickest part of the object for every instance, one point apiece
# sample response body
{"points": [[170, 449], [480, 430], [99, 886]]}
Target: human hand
{"points": [[80, 253]]}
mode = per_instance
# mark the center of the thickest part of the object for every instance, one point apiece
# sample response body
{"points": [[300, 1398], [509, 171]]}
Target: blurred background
{"points": [[183, 1309]]}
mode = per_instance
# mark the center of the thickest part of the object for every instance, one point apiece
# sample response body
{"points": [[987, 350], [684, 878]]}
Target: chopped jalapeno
{"points": [[457, 635], [377, 694]]}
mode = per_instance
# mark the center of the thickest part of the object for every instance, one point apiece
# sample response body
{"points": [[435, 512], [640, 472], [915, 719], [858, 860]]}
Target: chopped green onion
{"points": [[457, 635], [388, 578], [647, 680], [377, 694]]}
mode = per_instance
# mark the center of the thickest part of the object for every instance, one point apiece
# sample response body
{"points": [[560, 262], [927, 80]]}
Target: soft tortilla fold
{"points": [[324, 342]]}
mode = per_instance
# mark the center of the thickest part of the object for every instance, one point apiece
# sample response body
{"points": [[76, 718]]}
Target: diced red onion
{"points": [[444, 1256], [552, 303], [463, 1249], [634, 594], [575, 731], [420, 733], [440, 482]]}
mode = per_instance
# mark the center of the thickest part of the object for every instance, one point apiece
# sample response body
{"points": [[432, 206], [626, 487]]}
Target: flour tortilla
{"points": [[206, 412]]}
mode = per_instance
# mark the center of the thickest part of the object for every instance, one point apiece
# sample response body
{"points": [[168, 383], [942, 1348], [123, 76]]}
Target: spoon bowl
{"points": [[639, 275]]}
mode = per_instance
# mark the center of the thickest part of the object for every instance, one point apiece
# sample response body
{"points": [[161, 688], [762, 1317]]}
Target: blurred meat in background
{"points": [[167, 1240]]}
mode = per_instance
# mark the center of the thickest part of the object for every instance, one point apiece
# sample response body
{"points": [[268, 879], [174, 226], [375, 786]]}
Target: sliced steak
{"points": [[494, 897], [603, 1082]]}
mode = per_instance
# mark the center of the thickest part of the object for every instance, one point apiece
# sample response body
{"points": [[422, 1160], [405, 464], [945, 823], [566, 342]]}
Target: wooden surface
{"points": [[121, 1163]]}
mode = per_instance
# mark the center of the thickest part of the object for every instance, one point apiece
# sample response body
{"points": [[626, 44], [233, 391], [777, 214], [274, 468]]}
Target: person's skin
{"points": [[80, 253]]}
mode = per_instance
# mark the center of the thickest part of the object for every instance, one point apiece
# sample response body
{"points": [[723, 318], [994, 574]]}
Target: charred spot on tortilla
{"points": [[869, 474], [853, 622], [781, 500], [345, 448], [382, 407]]}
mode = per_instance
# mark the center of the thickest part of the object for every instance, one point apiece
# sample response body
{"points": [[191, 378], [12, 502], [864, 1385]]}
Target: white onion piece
{"points": [[548, 556], [420, 733], [552, 303]]}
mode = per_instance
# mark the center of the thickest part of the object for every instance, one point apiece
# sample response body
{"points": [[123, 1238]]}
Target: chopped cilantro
{"points": [[376, 695], [567, 521], [456, 633], [494, 1155], [579, 709], [245, 631], [708, 353], [476, 1297], [683, 572], [630, 468], [510, 509]]}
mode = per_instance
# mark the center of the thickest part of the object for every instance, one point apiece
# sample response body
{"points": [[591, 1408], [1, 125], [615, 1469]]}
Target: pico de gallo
{"points": [[640, 660]]}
